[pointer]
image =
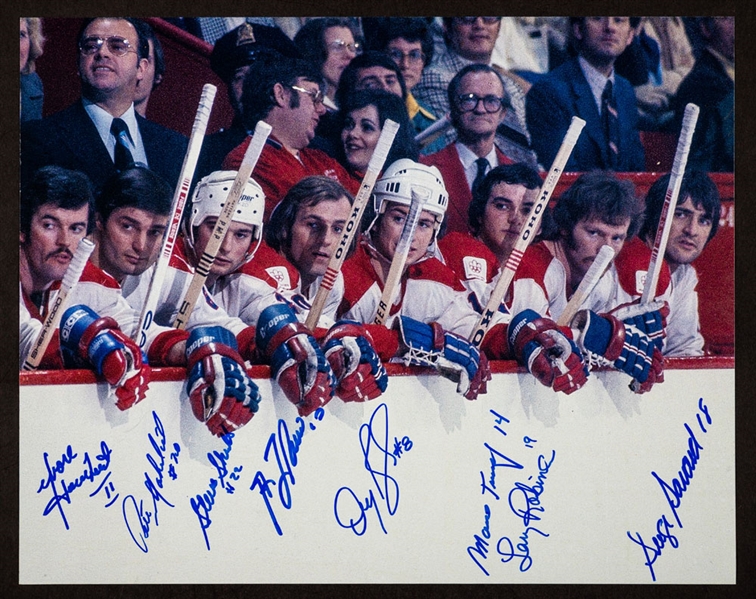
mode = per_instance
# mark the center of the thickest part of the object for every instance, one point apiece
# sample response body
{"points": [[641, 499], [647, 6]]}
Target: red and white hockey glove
{"points": [[349, 350], [85, 338], [549, 355], [454, 357], [296, 360], [220, 391]]}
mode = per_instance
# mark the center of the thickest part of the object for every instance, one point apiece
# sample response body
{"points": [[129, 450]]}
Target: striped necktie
{"points": [[611, 124]]}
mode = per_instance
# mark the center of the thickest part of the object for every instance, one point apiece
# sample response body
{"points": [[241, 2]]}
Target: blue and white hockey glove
{"points": [[358, 369], [609, 341], [296, 361], [454, 357], [221, 393], [86, 339]]}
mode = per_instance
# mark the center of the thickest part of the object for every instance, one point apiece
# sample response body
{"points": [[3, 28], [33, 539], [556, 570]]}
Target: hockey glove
{"points": [[88, 340], [296, 361], [548, 354], [650, 318], [358, 369], [221, 393], [454, 357], [608, 340]]}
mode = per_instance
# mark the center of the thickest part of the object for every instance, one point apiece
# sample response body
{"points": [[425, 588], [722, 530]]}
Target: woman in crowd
{"points": [[32, 93]]}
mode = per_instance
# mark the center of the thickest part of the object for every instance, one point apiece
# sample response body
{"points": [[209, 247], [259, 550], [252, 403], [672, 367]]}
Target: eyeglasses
{"points": [[486, 20], [116, 44], [412, 56], [316, 95], [469, 102], [341, 46]]}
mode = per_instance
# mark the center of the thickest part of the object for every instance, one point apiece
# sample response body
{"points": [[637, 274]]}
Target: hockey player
{"points": [[598, 209], [431, 319], [694, 224], [499, 207], [56, 212], [132, 213], [305, 228]]}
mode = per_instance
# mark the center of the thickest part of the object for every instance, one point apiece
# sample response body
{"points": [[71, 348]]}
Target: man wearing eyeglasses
{"points": [[587, 86], [471, 40], [478, 104], [287, 94], [101, 133]]}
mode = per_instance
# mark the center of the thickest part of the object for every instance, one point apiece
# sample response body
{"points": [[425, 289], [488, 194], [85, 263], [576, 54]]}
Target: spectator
{"points": [[153, 74], [409, 43], [709, 83], [230, 59], [330, 43], [587, 86], [32, 91], [102, 133], [286, 93], [362, 117], [479, 102], [655, 99], [471, 40]]}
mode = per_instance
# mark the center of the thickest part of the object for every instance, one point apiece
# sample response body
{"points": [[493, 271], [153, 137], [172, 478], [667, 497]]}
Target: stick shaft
{"points": [[590, 279], [375, 166], [72, 276], [440, 126], [528, 231], [670, 202], [256, 144], [400, 257], [177, 208]]}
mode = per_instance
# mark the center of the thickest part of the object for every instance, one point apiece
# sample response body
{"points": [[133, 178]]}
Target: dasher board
{"points": [[420, 485]]}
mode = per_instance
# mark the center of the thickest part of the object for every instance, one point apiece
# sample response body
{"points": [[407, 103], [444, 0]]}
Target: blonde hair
{"points": [[36, 41]]}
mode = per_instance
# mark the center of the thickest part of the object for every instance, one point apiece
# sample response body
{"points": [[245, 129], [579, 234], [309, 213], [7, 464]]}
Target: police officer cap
{"points": [[239, 46]]}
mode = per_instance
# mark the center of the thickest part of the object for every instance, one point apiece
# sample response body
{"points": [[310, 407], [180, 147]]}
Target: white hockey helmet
{"points": [[210, 196], [398, 180]]}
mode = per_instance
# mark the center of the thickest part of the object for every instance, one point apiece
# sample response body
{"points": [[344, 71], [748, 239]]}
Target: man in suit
{"points": [[478, 103], [101, 133], [587, 86]]}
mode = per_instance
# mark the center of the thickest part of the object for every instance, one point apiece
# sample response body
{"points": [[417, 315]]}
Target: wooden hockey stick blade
{"points": [[419, 198], [375, 166], [201, 119], [670, 202], [590, 279], [528, 231], [70, 279], [201, 272]]}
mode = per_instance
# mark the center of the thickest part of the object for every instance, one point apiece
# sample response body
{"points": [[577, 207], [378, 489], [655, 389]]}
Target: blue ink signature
{"points": [[480, 549], [285, 449], [153, 482], [89, 474], [673, 493], [386, 485], [203, 504]]}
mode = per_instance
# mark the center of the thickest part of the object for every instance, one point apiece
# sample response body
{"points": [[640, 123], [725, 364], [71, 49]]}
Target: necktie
{"points": [[481, 174], [120, 131], [611, 124]]}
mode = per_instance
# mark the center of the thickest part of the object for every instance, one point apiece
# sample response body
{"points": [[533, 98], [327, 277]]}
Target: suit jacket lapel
{"points": [[586, 108], [82, 137]]}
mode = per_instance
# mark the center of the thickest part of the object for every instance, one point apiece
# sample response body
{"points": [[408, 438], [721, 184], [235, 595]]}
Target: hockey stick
{"points": [[375, 166], [438, 128], [670, 202], [72, 276], [254, 149], [528, 231], [400, 254], [590, 279], [177, 208]]}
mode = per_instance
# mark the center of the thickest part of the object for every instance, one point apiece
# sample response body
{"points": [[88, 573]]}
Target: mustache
{"points": [[63, 252]]}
